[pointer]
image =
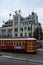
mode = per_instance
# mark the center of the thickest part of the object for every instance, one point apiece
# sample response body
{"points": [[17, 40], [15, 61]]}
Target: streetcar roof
{"points": [[17, 39]]}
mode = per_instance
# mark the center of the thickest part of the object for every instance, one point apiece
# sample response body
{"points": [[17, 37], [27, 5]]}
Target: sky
{"points": [[26, 7]]}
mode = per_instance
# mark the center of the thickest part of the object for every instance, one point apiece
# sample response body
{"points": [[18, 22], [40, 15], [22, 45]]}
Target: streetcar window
{"points": [[28, 43], [22, 43], [19, 44], [0, 42], [15, 43], [5, 42], [10, 43]]}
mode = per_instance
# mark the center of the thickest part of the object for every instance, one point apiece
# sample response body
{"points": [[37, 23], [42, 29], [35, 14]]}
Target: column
{"points": [[13, 27]]}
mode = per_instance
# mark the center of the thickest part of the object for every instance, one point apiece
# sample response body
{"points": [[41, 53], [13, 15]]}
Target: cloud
{"points": [[26, 6], [4, 13], [39, 12]]}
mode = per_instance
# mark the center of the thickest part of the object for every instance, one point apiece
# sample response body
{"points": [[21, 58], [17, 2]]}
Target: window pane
{"points": [[21, 29], [16, 29], [21, 34]]}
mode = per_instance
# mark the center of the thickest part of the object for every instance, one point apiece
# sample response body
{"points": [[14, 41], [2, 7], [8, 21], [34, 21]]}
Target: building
{"points": [[20, 26]]}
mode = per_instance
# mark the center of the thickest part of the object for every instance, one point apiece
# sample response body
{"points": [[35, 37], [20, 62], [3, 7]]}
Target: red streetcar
{"points": [[24, 44]]}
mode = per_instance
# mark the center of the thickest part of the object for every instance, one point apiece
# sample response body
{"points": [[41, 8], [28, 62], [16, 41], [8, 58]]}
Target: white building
{"points": [[20, 26]]}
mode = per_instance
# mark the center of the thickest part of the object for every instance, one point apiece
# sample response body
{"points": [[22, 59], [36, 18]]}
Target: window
{"points": [[21, 29], [33, 44], [15, 23], [19, 44], [22, 43], [4, 42], [25, 28], [28, 43], [21, 23], [25, 34], [15, 43], [7, 43], [16, 29], [21, 34], [30, 35], [1, 42], [16, 19], [26, 23], [9, 30], [10, 43], [29, 28], [16, 35]]}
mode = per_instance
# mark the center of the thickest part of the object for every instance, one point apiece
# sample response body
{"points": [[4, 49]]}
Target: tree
{"points": [[38, 33]]}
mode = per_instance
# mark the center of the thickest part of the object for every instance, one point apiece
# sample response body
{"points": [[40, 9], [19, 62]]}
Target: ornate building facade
{"points": [[20, 26]]}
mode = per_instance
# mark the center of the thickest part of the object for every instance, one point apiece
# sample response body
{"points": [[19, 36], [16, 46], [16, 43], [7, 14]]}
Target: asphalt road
{"points": [[6, 61], [10, 58], [38, 56]]}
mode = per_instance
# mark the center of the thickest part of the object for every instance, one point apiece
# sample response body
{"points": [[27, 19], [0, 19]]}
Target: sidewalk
{"points": [[40, 49]]}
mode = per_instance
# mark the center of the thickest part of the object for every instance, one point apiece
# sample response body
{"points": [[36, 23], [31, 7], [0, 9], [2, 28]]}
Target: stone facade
{"points": [[20, 26]]}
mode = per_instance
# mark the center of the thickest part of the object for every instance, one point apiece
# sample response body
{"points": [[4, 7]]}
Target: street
{"points": [[7, 61], [37, 56], [9, 58]]}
